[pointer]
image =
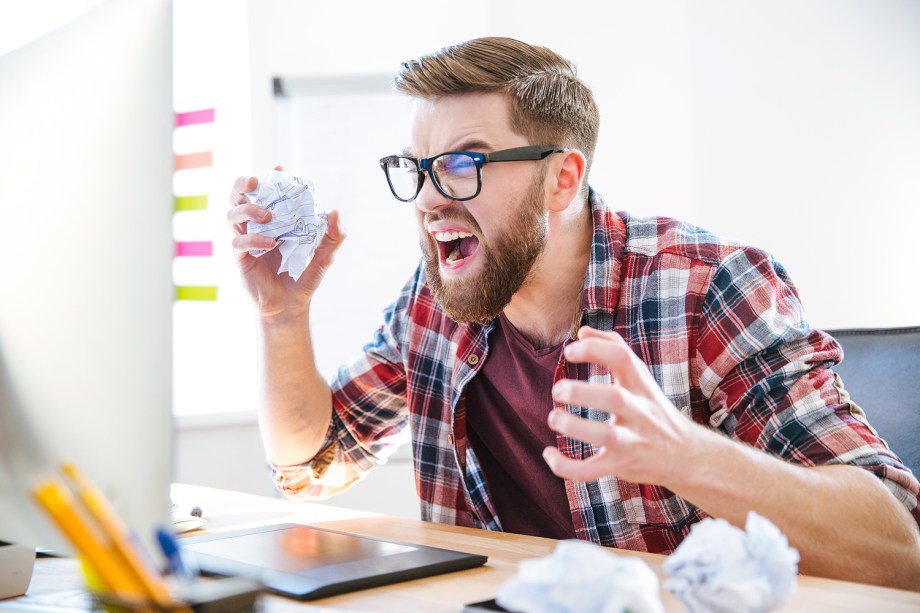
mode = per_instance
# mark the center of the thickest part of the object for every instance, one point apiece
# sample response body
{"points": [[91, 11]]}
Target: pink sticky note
{"points": [[193, 117], [194, 248]]}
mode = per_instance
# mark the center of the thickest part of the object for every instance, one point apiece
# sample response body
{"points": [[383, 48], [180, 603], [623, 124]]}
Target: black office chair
{"points": [[881, 371]]}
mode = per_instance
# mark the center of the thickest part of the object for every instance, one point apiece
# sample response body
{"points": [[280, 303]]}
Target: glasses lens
{"points": [[456, 174], [403, 176]]}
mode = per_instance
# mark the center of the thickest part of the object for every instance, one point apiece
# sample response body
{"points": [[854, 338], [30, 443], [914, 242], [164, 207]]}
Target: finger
{"points": [[591, 469], [589, 332], [610, 350], [247, 212], [240, 187], [598, 434], [250, 242], [279, 167], [611, 398]]}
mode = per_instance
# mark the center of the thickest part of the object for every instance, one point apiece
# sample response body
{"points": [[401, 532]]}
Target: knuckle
{"points": [[619, 349], [609, 395], [609, 437]]}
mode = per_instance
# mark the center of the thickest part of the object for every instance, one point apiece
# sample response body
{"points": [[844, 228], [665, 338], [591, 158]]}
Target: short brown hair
{"points": [[549, 103]]}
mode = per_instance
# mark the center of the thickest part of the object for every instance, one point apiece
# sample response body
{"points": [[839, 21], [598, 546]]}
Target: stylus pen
{"points": [[179, 565]]}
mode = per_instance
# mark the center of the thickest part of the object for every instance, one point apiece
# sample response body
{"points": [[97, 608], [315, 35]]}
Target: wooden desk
{"points": [[446, 593]]}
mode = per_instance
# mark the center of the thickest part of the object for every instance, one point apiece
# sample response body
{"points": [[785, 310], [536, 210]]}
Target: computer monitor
{"points": [[86, 288]]}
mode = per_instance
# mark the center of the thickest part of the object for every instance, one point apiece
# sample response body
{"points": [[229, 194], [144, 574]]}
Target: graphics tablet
{"points": [[305, 562]]}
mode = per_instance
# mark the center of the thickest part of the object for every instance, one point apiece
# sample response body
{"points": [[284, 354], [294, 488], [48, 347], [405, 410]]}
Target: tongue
{"points": [[468, 245]]}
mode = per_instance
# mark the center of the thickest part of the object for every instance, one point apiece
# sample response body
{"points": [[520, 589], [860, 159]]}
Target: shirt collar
{"points": [[602, 279]]}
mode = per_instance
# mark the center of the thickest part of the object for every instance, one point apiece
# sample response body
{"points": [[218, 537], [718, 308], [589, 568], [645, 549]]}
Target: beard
{"points": [[509, 261]]}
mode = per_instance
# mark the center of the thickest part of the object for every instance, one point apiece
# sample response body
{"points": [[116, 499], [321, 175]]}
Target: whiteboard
{"points": [[333, 131]]}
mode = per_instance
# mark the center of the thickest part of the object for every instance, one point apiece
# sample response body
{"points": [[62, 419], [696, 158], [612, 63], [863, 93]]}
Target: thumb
{"points": [[334, 230], [335, 235]]}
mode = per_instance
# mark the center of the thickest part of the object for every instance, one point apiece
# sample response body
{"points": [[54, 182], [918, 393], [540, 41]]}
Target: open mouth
{"points": [[455, 248]]}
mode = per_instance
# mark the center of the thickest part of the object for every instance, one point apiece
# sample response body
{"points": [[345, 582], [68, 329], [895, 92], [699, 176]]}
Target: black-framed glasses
{"points": [[456, 174]]}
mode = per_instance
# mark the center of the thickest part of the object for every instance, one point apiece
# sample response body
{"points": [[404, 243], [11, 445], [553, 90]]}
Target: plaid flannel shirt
{"points": [[719, 325]]}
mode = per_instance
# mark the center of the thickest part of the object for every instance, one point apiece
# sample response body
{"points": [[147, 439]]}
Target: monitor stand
{"points": [[16, 564]]}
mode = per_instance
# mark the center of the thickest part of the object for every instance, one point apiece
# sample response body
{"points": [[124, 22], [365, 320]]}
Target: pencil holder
{"points": [[16, 564], [224, 595]]}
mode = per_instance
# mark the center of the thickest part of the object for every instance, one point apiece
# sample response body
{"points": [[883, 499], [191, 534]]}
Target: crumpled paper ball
{"points": [[580, 577], [298, 222], [721, 568]]}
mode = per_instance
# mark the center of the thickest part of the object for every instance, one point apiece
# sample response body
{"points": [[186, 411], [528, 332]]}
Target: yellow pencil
{"points": [[119, 536], [57, 501]]}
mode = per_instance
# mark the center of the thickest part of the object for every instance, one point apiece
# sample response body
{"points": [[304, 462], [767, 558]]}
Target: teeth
{"points": [[446, 237]]}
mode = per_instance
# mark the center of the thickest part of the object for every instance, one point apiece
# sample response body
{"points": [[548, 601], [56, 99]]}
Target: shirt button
{"points": [[450, 439], [473, 360]]}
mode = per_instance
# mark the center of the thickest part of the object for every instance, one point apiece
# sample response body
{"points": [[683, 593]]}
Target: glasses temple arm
{"points": [[521, 154]]}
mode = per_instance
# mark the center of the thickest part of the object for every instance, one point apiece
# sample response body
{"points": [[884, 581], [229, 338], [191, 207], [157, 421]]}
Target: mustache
{"points": [[452, 215]]}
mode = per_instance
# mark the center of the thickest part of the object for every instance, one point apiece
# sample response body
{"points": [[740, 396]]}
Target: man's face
{"points": [[478, 253]]}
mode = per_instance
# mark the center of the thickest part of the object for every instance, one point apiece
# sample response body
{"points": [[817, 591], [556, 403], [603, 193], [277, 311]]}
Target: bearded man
{"points": [[566, 371]]}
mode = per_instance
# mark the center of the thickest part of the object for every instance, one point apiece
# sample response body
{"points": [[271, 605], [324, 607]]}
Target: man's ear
{"points": [[564, 179]]}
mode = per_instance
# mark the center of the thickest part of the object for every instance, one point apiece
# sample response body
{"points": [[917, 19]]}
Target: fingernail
{"points": [[553, 418], [559, 389]]}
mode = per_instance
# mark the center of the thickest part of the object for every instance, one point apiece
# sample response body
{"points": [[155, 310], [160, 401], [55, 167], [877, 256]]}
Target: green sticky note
{"points": [[193, 292], [191, 203]]}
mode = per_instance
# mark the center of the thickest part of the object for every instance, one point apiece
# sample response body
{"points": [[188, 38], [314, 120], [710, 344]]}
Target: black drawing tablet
{"points": [[305, 562]]}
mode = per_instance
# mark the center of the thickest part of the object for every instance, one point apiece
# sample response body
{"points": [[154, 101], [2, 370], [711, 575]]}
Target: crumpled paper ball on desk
{"points": [[580, 577], [720, 568]]}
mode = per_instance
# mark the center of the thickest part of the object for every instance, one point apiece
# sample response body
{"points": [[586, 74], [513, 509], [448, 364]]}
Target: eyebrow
{"points": [[472, 144]]}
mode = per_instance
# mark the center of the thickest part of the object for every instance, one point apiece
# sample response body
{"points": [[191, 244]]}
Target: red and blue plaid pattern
{"points": [[721, 328]]}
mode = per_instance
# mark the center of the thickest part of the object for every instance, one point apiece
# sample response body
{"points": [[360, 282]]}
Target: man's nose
{"points": [[430, 199]]}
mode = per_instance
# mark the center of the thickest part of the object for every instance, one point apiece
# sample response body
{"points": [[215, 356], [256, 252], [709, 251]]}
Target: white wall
{"points": [[806, 141], [793, 125], [636, 62]]}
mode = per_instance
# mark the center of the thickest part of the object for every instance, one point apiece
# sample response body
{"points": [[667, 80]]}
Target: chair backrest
{"points": [[881, 371]]}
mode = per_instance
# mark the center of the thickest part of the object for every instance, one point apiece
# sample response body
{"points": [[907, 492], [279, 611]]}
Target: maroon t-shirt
{"points": [[507, 403]]}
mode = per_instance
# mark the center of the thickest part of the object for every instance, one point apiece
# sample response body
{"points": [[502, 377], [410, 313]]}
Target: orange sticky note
{"points": [[194, 160]]}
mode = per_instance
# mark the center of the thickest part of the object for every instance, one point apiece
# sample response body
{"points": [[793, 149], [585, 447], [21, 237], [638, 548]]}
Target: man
{"points": [[677, 370]]}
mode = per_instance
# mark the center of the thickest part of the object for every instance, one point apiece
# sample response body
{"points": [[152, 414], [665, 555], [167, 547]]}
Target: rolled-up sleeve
{"points": [[770, 382], [369, 414]]}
